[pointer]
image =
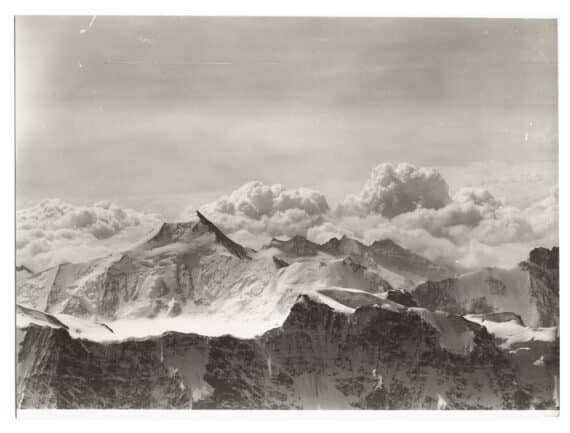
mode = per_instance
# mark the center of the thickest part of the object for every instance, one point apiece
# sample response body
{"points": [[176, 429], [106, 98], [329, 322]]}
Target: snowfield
{"points": [[513, 334]]}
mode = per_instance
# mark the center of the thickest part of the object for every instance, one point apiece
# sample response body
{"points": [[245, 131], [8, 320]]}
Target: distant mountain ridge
{"points": [[385, 253], [530, 290], [178, 266]]}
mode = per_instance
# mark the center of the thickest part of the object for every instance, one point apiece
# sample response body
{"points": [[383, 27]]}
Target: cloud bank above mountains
{"points": [[411, 205], [255, 212], [408, 204], [54, 232]]}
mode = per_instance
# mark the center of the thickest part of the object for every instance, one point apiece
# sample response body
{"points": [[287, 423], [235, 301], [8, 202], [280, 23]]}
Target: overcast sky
{"points": [[127, 107]]}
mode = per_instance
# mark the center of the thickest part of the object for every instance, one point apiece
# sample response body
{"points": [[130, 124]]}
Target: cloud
{"points": [[375, 227], [474, 229], [482, 230], [520, 184], [410, 205], [54, 231], [395, 189], [266, 211], [472, 214], [543, 215], [256, 200]]}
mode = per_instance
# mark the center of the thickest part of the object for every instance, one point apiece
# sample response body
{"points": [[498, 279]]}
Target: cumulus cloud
{"points": [[410, 205], [474, 229], [543, 215], [54, 231], [255, 212], [256, 200], [473, 214], [482, 230], [395, 189]]}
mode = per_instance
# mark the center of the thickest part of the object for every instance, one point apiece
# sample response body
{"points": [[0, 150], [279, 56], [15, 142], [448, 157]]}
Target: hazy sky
{"points": [[127, 107]]}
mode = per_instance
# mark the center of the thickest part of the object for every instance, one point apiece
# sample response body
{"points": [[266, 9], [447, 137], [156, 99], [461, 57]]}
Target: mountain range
{"points": [[188, 318]]}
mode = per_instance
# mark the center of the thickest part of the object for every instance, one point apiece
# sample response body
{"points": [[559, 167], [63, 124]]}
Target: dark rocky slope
{"points": [[530, 290], [378, 357], [543, 269]]}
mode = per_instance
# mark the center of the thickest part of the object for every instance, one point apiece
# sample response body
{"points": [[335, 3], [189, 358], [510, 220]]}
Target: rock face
{"points": [[221, 238], [542, 267], [56, 371], [374, 357], [534, 352], [297, 246], [545, 258], [402, 297], [279, 263], [530, 290], [520, 308]]}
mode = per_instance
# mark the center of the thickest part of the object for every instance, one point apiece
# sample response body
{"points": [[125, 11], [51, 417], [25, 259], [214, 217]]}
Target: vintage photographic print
{"points": [[286, 213]]}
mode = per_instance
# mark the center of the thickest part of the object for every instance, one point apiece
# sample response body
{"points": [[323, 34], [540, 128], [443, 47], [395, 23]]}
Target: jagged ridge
{"points": [[530, 290], [231, 246], [374, 358], [187, 231], [385, 253]]}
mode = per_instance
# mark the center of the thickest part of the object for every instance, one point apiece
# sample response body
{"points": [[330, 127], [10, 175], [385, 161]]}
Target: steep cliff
{"points": [[530, 290], [543, 270], [379, 355]]}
